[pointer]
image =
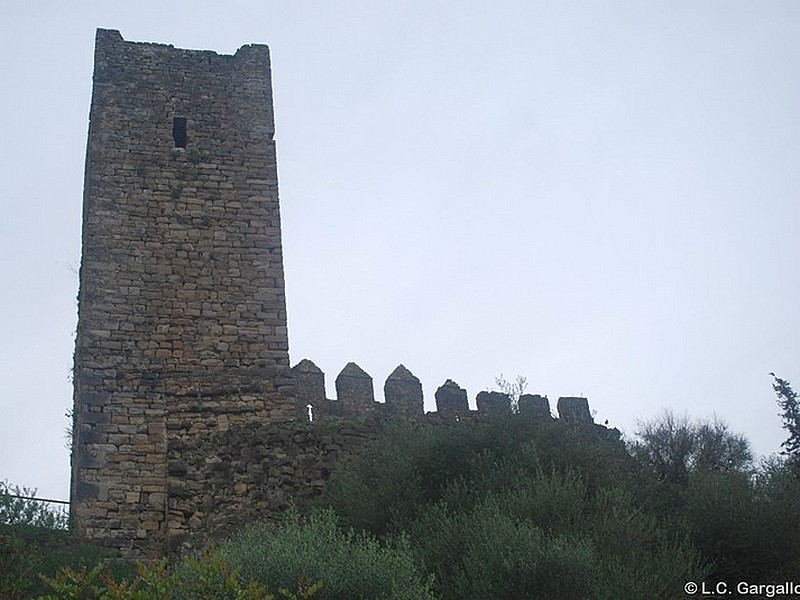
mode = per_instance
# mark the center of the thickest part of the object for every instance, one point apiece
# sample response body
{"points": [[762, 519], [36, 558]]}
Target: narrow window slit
{"points": [[179, 131]]}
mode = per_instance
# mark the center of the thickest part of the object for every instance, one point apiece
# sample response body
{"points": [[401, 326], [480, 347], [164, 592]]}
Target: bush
{"points": [[27, 551], [746, 527], [32, 536], [672, 447], [491, 551], [412, 467], [349, 564], [640, 555], [207, 576], [506, 557], [24, 511], [19, 564], [545, 534]]}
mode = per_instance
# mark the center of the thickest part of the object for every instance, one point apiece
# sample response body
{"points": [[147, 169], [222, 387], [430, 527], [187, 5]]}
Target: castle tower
{"points": [[182, 313]]}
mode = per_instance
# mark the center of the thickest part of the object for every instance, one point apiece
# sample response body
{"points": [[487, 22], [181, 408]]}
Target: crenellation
{"points": [[535, 405], [493, 403], [574, 410], [354, 387], [451, 400], [403, 394]]}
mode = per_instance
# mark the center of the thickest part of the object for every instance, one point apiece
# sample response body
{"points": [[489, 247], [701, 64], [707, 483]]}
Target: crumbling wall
{"points": [[355, 396], [225, 480], [255, 471]]}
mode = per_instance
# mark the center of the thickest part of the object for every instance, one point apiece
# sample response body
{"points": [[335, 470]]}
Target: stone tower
{"points": [[182, 312]]}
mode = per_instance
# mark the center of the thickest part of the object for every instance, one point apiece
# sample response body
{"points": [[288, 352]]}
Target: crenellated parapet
{"points": [[403, 398]]}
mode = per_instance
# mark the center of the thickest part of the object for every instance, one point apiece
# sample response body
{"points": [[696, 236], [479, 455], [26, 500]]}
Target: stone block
{"points": [[354, 386], [574, 410], [493, 403], [403, 393], [451, 399], [309, 385], [535, 405]]}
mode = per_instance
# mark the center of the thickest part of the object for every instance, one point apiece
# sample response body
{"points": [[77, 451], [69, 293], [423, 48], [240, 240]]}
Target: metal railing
{"points": [[35, 498]]}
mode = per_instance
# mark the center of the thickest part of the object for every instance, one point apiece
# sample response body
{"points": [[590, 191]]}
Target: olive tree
{"points": [[674, 446]]}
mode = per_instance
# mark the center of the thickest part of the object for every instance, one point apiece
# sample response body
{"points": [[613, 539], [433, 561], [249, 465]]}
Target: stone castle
{"points": [[182, 353]]}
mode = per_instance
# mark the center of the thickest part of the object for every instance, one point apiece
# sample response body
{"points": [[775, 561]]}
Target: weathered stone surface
{"points": [[309, 386], [536, 405], [354, 386], [184, 400], [493, 403], [451, 399], [181, 308], [403, 393], [574, 410]]}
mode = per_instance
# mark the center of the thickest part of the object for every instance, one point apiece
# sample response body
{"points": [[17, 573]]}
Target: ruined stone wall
{"points": [[182, 316], [355, 397], [254, 472], [225, 480]]}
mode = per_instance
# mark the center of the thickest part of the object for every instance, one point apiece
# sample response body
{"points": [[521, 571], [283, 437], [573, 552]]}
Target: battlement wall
{"points": [[403, 398], [229, 479]]}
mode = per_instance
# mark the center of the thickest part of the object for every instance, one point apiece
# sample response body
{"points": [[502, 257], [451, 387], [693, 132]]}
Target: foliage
{"points": [[27, 551], [207, 575], [514, 389], [411, 466], [543, 532], [790, 407], [496, 555], [26, 527], [746, 527], [673, 447], [19, 563], [519, 507], [510, 507], [351, 565], [16, 510], [777, 492]]}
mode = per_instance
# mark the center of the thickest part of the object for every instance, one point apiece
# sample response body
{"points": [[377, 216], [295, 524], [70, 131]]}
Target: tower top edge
{"points": [[113, 36]]}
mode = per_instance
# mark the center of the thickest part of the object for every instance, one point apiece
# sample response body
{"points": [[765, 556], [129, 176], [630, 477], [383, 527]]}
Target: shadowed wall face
{"points": [[182, 313]]}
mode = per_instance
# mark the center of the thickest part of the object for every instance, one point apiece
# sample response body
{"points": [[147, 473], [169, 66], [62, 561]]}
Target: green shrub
{"points": [[489, 553], [748, 528], [29, 551], [24, 511], [350, 565], [19, 564], [34, 539], [544, 534], [412, 467], [640, 555], [207, 575]]}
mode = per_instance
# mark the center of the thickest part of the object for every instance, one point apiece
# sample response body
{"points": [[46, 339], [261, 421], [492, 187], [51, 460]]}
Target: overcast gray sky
{"points": [[601, 196]]}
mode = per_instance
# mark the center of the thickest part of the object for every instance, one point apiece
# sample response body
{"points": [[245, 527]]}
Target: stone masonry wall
{"points": [[403, 398], [182, 315], [225, 480]]}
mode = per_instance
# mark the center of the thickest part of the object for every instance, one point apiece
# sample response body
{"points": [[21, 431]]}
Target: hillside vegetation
{"points": [[513, 507]]}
